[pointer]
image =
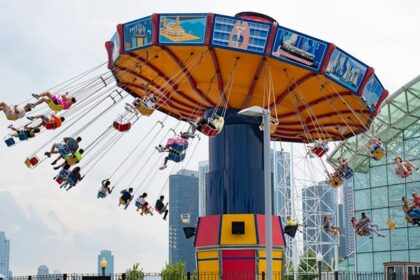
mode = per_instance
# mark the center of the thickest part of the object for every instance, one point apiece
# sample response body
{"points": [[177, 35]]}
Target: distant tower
{"points": [[107, 254], [203, 169], [4, 255], [43, 270], [347, 75], [183, 194]]}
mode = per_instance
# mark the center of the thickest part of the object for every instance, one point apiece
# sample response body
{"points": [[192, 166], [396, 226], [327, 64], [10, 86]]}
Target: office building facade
{"points": [[183, 193], [4, 255], [203, 169], [107, 255]]}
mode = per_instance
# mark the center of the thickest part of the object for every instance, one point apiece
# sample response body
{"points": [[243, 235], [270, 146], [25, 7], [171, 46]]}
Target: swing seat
{"points": [[24, 135], [179, 147], [32, 162], [378, 153], [348, 174], [55, 107], [12, 118], [176, 157], [403, 175], [185, 218], [210, 131], [274, 123], [62, 176], [319, 151], [9, 141], [122, 127], [335, 181], [143, 109], [291, 230]]}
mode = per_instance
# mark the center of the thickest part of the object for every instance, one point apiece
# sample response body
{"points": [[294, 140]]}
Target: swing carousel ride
{"points": [[203, 69]]}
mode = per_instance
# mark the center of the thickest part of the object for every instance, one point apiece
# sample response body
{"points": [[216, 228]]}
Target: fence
{"points": [[225, 276]]}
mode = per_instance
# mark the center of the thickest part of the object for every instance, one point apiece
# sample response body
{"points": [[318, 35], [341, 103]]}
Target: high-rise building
{"points": [[4, 255], [107, 254], [378, 190], [203, 168], [348, 214], [43, 270], [280, 166], [183, 194]]}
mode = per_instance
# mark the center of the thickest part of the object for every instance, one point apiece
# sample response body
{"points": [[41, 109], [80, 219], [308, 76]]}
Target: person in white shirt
{"points": [[105, 189], [13, 112], [140, 201]]}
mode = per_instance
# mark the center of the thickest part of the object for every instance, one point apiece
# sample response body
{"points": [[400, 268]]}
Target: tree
{"points": [[174, 271], [135, 273], [307, 263]]}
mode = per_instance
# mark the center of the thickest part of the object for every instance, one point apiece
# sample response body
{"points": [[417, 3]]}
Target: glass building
{"points": [[4, 255], [107, 254], [378, 190], [183, 195], [203, 169]]}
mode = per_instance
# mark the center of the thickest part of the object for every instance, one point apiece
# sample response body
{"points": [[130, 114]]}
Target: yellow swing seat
{"points": [[55, 107], [335, 181], [274, 123], [378, 154]]}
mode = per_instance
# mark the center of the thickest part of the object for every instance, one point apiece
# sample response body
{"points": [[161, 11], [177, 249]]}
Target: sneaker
{"points": [[30, 118], [163, 167], [35, 95], [57, 167], [10, 126], [54, 162], [158, 149], [48, 154], [32, 105]]}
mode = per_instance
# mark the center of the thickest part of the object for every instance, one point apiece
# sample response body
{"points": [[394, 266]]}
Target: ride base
{"points": [[233, 246]]}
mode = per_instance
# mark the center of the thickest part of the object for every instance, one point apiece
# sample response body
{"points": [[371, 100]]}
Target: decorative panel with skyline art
{"points": [[346, 70], [138, 34], [299, 49], [240, 34], [182, 28], [115, 46], [372, 93]]}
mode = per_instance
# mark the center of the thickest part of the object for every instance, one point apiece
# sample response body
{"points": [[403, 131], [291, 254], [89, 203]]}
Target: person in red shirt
{"points": [[416, 199]]}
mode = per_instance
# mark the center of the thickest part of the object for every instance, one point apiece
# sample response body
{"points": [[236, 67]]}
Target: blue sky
{"points": [[45, 42]]}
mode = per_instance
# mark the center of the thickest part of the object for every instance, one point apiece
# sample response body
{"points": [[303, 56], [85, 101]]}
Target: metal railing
{"points": [[224, 276]]}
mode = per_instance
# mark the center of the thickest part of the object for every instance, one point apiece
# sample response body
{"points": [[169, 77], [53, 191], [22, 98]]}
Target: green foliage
{"points": [[135, 273], [174, 271]]}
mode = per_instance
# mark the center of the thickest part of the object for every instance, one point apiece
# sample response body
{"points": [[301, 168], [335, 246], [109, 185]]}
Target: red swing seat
{"points": [[319, 151], [50, 125], [210, 131], [32, 162]]}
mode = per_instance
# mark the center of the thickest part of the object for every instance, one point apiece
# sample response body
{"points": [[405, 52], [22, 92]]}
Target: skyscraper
{"points": [[183, 194], [4, 255], [107, 254], [280, 166], [203, 168], [348, 214]]}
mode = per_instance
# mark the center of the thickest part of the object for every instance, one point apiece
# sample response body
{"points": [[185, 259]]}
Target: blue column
{"points": [[235, 182]]}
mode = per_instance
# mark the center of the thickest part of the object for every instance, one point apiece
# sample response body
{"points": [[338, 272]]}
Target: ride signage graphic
{"points": [[138, 34], [299, 49], [182, 28], [372, 93], [346, 70], [240, 34], [116, 46]]}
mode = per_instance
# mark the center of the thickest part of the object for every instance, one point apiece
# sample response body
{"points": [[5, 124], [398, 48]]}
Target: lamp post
{"points": [[103, 263], [319, 259], [257, 111]]}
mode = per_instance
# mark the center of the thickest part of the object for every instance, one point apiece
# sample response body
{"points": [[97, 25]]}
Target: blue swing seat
{"points": [[179, 148], [176, 157], [9, 141], [23, 135], [348, 174]]}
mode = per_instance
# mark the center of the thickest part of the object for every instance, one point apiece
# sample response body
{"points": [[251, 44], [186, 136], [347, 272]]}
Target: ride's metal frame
{"points": [[308, 208]]}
